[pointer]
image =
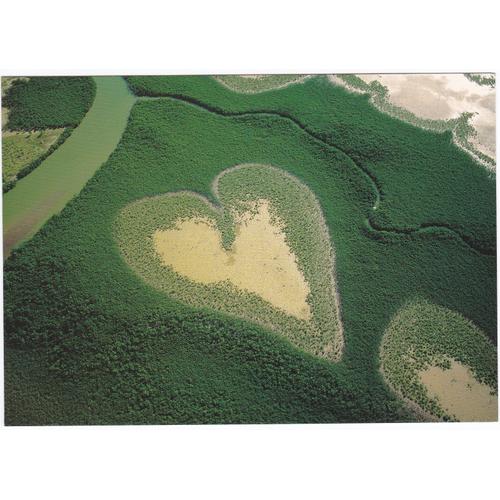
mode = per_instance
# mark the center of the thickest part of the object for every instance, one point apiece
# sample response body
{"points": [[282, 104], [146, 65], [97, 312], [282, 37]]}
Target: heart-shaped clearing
{"points": [[259, 260], [264, 254]]}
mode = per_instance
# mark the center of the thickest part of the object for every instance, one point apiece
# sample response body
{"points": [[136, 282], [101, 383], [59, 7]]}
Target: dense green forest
{"points": [[35, 106], [422, 177], [48, 102], [291, 201], [87, 341], [422, 335]]}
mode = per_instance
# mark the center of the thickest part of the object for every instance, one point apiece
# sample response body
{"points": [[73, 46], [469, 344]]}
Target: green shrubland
{"points": [[89, 341], [423, 178], [488, 80], [459, 127], [262, 83], [23, 152], [422, 335], [46, 109], [48, 102], [21, 148], [306, 236]]}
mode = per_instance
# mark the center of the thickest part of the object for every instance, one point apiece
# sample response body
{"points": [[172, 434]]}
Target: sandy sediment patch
{"points": [[254, 84], [261, 252], [439, 363], [460, 394], [259, 261]]}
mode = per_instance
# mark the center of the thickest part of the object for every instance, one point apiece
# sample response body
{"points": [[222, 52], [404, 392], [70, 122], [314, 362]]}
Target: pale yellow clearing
{"points": [[460, 394], [259, 261]]}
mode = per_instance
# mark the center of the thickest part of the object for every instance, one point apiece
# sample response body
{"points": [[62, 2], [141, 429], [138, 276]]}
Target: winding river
{"points": [[46, 190]]}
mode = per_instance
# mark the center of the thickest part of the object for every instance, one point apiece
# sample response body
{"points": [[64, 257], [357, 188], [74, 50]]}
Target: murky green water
{"points": [[63, 174]]}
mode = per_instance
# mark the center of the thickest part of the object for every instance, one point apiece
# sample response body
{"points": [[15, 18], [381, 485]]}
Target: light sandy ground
{"points": [[21, 148], [444, 96], [260, 260], [460, 394], [231, 82], [5, 117]]}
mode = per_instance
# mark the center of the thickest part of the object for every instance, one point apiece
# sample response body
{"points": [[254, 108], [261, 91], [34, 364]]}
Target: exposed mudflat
{"points": [[259, 261], [444, 96], [460, 394]]}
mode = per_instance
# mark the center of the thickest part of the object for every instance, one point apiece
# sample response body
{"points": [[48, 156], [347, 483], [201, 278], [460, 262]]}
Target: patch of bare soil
{"points": [[444, 96], [259, 261], [460, 394]]}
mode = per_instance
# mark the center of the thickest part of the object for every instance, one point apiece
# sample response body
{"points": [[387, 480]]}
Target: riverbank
{"points": [[63, 174]]}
